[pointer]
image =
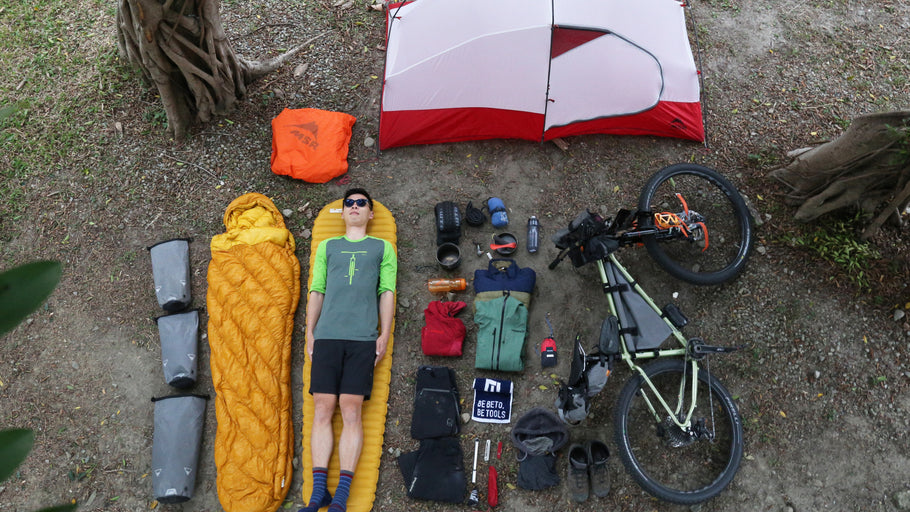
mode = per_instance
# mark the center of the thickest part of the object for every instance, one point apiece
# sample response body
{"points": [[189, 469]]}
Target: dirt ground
{"points": [[822, 388]]}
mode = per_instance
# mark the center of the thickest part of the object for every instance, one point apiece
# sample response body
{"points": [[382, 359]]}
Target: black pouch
{"points": [[437, 411], [448, 223], [435, 471]]}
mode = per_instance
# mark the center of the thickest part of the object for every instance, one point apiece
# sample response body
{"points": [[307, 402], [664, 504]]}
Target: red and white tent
{"points": [[537, 69]]}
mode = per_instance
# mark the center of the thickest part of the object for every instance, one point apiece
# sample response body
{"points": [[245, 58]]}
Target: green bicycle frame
{"points": [[631, 356]]}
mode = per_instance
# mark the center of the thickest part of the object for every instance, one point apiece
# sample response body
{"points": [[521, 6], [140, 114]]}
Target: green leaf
{"points": [[23, 289], [14, 447]]}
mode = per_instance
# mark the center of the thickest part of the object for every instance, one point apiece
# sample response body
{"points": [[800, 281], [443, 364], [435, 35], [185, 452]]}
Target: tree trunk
{"points": [[181, 48], [868, 168]]}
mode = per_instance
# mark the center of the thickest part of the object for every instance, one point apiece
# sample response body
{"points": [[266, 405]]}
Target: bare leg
{"points": [[351, 441], [322, 438]]}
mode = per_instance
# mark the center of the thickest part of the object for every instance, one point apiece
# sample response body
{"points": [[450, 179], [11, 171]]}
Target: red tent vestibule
{"points": [[537, 69]]}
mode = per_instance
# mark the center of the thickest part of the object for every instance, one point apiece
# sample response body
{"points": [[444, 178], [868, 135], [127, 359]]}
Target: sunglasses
{"points": [[351, 202]]}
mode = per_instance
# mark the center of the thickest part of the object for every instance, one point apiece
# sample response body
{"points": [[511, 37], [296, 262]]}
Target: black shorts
{"points": [[343, 367]]}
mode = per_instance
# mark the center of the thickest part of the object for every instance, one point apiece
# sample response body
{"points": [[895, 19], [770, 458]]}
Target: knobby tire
{"points": [[689, 474], [727, 218]]}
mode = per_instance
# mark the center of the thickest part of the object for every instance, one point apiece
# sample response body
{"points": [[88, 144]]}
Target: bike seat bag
{"points": [[646, 327], [437, 412], [443, 334]]}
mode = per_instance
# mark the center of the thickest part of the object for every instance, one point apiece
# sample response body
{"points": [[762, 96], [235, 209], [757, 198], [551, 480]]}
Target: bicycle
{"points": [[694, 445]]}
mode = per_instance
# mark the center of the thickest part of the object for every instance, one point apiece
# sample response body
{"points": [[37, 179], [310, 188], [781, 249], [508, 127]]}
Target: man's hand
{"points": [[309, 344], [386, 314], [313, 310], [382, 342]]}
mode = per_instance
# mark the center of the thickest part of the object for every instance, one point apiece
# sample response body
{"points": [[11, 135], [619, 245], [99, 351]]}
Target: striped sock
{"points": [[340, 503], [320, 496]]}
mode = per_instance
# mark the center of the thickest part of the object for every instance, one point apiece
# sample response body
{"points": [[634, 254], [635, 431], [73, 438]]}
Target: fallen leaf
{"points": [[783, 414]]}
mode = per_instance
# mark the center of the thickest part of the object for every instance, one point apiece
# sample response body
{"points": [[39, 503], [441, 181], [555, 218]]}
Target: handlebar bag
{"points": [[503, 274]]}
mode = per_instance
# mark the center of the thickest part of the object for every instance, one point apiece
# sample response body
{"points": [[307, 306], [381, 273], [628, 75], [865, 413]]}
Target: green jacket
{"points": [[502, 324]]}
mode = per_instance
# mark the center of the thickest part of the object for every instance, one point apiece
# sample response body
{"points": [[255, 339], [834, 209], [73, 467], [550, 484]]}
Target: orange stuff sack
{"points": [[311, 144]]}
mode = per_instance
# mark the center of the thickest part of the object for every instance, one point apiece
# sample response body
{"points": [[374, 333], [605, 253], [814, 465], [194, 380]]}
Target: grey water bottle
{"points": [[533, 234]]}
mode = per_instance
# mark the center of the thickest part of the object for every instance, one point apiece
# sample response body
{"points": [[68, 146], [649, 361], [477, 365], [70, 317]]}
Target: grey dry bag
{"points": [[176, 445], [179, 334], [171, 271]]}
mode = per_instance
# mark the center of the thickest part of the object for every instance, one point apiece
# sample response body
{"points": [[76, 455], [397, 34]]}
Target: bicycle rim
{"points": [[687, 474], [717, 249]]}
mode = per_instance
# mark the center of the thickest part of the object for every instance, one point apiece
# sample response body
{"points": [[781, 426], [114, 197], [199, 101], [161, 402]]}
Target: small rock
{"points": [[300, 70], [404, 303], [465, 417], [75, 365], [306, 233], [369, 142], [899, 315], [287, 212], [762, 250]]}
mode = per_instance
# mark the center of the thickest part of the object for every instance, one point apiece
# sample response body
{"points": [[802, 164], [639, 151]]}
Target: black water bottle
{"points": [[533, 234]]}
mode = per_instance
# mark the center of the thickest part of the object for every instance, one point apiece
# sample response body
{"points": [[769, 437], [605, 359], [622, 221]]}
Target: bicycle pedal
{"points": [[548, 353]]}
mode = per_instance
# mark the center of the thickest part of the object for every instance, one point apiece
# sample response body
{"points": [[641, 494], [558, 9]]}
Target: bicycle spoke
{"points": [[681, 464]]}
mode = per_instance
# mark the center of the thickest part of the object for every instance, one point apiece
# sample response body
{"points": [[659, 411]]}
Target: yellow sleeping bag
{"points": [[253, 291], [363, 487]]}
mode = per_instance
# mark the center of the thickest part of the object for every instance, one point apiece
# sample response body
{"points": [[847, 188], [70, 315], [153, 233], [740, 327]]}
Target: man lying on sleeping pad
{"points": [[352, 291]]}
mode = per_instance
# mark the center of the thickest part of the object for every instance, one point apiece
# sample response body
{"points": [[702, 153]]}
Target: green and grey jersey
{"points": [[352, 274]]}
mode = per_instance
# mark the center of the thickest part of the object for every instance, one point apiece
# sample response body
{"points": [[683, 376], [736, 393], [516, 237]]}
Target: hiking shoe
{"points": [[578, 473], [598, 454]]}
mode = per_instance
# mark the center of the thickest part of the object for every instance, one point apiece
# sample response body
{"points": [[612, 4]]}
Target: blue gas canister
{"points": [[498, 216]]}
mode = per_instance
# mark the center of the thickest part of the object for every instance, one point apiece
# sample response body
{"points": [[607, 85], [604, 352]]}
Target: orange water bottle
{"points": [[442, 285]]}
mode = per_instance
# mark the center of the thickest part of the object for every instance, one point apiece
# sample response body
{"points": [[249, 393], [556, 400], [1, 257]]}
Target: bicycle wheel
{"points": [[713, 237], [669, 463]]}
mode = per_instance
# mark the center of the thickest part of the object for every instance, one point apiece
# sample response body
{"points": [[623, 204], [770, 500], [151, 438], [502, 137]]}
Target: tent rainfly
{"points": [[537, 69]]}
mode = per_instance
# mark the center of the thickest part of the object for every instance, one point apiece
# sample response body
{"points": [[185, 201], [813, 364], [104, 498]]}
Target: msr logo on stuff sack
{"points": [[307, 134]]}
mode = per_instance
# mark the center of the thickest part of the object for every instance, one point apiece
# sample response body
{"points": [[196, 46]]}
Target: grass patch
{"points": [[60, 82], [836, 242]]}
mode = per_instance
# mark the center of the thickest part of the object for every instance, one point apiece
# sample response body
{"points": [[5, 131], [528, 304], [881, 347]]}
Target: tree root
{"points": [[867, 168], [181, 48]]}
